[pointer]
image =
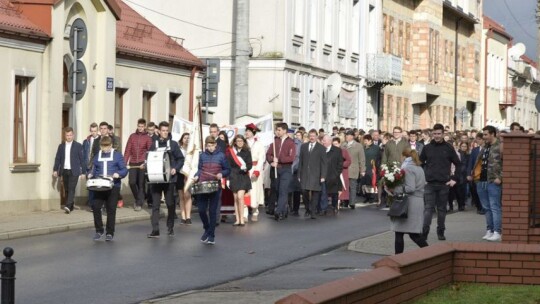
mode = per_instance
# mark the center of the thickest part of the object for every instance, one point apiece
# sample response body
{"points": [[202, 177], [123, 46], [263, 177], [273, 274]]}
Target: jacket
{"points": [[77, 161], [358, 159], [212, 163], [437, 158], [116, 165], [137, 145], [334, 162], [393, 151], [472, 160], [494, 166], [285, 154]]}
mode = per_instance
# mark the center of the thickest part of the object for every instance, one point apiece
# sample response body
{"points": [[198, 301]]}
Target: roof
{"points": [[13, 22], [497, 27], [528, 60], [136, 36]]}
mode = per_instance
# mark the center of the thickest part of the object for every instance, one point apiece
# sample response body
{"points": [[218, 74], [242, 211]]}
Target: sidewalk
{"points": [[464, 226], [39, 223]]}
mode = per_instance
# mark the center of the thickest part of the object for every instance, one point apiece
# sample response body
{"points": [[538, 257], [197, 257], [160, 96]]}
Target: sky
{"points": [[519, 19]]}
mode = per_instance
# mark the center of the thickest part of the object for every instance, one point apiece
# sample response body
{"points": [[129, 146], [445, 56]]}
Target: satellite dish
{"points": [[333, 86], [517, 51], [537, 102]]}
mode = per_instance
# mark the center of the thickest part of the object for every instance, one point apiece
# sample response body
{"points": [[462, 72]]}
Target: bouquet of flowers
{"points": [[392, 175]]}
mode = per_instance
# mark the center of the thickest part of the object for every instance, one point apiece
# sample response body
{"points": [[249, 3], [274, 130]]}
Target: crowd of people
{"points": [[324, 171]]}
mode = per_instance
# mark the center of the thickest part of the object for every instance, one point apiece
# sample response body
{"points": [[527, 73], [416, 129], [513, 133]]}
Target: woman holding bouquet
{"points": [[413, 185]]}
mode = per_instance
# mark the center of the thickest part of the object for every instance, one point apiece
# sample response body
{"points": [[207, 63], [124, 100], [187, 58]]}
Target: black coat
{"points": [[77, 161], [312, 166], [334, 163], [239, 179]]}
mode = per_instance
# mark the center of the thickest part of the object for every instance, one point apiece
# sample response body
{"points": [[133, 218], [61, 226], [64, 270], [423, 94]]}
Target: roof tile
{"points": [[137, 36], [12, 20]]}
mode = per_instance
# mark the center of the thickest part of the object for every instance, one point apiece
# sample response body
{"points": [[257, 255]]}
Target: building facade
{"points": [[125, 57], [439, 42], [295, 47]]}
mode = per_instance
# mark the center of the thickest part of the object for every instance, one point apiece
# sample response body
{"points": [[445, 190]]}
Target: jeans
{"points": [[323, 201], [435, 196], [208, 202], [136, 183], [70, 184], [475, 200], [109, 199], [490, 197], [157, 190]]}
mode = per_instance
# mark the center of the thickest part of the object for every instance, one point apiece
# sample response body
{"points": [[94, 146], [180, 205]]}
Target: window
{"points": [[173, 97], [118, 111], [446, 56], [295, 106], [398, 112], [401, 51], [386, 31], [408, 41], [147, 105], [328, 13], [390, 106], [433, 74], [452, 60], [299, 18], [392, 42], [20, 135], [463, 61]]}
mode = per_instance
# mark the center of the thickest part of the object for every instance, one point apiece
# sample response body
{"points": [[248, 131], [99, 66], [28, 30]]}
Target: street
{"points": [[70, 268]]}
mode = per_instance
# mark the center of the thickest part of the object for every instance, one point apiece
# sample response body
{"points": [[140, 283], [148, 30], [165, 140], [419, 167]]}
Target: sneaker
{"points": [[204, 238], [67, 210], [211, 241], [188, 221], [137, 208], [108, 237], [487, 235], [153, 235], [496, 237], [97, 236], [170, 232]]}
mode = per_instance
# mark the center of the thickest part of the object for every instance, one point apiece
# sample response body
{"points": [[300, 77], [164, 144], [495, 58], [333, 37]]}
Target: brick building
{"points": [[440, 44]]}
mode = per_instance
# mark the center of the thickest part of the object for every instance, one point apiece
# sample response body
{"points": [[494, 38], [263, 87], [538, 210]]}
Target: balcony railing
{"points": [[507, 97], [384, 69]]}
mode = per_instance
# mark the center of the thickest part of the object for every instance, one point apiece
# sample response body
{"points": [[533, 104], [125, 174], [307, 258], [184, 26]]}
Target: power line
{"points": [[177, 19], [517, 21]]}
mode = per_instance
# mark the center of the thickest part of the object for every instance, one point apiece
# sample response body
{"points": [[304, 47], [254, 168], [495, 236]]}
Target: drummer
{"points": [[108, 163], [176, 158], [213, 166]]}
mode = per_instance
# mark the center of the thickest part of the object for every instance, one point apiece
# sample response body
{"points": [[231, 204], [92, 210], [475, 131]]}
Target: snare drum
{"points": [[158, 167], [205, 187], [99, 184]]}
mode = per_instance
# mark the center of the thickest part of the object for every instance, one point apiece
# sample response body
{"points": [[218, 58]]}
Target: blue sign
{"points": [[110, 84]]}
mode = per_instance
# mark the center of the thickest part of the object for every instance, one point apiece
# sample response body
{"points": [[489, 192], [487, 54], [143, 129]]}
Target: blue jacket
{"points": [[117, 165], [77, 161], [212, 163]]}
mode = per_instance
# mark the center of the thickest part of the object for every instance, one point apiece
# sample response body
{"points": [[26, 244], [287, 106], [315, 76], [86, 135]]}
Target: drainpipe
{"points": [[489, 35], [191, 91]]}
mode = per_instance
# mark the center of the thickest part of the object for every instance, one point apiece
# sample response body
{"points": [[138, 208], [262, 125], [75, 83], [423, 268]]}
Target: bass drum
{"points": [[158, 167]]}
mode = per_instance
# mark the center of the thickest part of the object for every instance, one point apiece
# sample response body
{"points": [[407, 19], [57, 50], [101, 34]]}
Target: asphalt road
{"points": [[71, 268]]}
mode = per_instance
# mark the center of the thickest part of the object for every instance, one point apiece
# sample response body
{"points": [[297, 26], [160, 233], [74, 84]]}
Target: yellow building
{"points": [[133, 70]]}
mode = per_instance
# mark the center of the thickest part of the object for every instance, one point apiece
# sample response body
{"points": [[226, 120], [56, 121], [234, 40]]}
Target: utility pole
{"points": [[242, 54]]}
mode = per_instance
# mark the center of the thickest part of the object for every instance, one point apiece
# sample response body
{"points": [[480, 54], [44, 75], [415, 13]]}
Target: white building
{"points": [[295, 46]]}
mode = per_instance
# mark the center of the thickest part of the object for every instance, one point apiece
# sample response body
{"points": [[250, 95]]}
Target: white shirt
{"points": [[67, 158], [328, 149]]}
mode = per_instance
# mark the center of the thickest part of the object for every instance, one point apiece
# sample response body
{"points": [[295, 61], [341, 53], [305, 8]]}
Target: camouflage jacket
{"points": [[494, 169]]}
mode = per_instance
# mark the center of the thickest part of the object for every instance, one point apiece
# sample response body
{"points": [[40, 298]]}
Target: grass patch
{"points": [[466, 293]]}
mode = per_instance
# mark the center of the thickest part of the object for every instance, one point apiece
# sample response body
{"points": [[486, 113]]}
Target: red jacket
{"points": [[137, 146], [285, 154]]}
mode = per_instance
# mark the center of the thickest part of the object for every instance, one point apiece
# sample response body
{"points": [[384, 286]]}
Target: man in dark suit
{"points": [[312, 172], [70, 164], [332, 185]]}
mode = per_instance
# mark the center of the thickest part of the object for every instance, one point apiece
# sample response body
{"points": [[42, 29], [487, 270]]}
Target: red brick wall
{"points": [[410, 275]]}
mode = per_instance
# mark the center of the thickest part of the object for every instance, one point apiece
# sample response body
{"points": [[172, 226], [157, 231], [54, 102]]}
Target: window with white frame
{"points": [[295, 106], [20, 119], [314, 20], [299, 18], [328, 20]]}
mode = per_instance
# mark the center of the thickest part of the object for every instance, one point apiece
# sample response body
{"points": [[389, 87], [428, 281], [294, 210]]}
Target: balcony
{"points": [[384, 69], [507, 97]]}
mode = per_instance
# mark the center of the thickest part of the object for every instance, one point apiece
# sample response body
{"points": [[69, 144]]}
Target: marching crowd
{"points": [[326, 171]]}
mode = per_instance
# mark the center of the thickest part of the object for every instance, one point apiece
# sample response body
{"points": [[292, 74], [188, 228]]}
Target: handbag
{"points": [[400, 206]]}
